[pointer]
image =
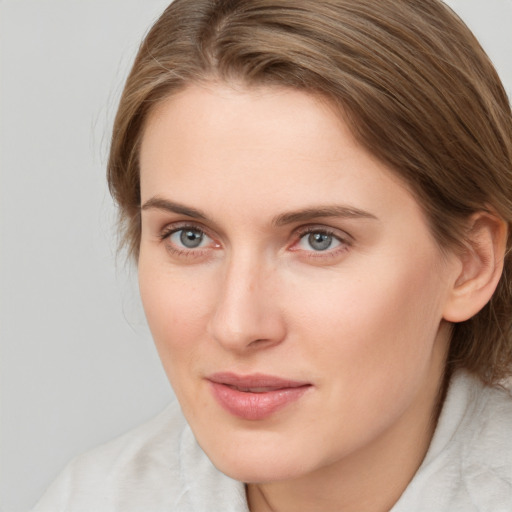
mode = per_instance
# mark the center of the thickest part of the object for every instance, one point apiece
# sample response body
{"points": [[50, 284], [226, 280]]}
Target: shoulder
{"points": [[468, 467], [95, 480], [485, 448], [481, 417], [149, 468]]}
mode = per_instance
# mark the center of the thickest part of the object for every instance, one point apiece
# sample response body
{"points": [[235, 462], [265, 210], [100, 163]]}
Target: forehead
{"points": [[260, 119], [258, 146]]}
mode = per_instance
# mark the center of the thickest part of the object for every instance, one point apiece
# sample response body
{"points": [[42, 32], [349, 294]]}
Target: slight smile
{"points": [[257, 396]]}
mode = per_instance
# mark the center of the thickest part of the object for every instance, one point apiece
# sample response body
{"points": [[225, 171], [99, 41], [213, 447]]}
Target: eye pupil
{"points": [[320, 241], [191, 238]]}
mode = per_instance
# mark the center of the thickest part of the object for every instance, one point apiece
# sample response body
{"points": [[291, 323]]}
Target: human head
{"points": [[408, 78]]}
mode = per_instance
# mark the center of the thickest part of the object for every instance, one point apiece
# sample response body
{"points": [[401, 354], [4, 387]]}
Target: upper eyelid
{"points": [[213, 232], [172, 227], [336, 232], [161, 216]]}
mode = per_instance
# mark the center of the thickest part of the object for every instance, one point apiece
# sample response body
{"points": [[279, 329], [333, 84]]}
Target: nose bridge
{"points": [[246, 311]]}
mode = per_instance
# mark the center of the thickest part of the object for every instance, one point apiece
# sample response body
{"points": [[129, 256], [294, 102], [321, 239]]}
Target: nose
{"points": [[247, 314]]}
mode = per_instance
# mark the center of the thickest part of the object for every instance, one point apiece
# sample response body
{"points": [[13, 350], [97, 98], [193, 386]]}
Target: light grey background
{"points": [[77, 362]]}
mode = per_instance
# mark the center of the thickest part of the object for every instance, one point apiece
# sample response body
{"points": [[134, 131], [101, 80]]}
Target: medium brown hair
{"points": [[409, 78]]}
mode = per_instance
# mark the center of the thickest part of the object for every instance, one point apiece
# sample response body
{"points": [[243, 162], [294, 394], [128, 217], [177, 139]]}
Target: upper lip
{"points": [[255, 381]]}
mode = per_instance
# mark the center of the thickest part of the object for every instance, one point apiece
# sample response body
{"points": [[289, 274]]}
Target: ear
{"points": [[480, 267]]}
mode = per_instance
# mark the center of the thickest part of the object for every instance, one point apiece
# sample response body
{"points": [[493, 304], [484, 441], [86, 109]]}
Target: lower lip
{"points": [[255, 406]]}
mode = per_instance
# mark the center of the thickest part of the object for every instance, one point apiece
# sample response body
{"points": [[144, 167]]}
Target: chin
{"points": [[259, 464], [258, 472]]}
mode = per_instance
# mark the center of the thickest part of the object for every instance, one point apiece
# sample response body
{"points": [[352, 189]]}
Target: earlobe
{"points": [[480, 268]]}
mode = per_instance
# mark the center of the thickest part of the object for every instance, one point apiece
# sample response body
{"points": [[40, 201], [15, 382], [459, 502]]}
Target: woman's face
{"points": [[290, 281]]}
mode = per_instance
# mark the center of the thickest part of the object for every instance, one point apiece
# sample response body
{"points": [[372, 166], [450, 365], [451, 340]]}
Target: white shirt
{"points": [[159, 466]]}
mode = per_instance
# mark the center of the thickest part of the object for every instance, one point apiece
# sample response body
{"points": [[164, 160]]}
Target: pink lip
{"points": [[255, 397]]}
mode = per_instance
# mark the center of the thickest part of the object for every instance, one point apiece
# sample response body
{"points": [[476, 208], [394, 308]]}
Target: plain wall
{"points": [[77, 362]]}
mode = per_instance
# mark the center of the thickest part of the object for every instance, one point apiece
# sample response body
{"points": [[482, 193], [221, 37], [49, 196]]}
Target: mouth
{"points": [[253, 390], [255, 397]]}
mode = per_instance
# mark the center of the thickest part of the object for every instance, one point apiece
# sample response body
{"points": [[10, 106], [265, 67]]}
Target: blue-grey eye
{"points": [[189, 238], [318, 241]]}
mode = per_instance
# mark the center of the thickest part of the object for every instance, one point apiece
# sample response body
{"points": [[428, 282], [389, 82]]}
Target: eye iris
{"points": [[191, 238], [320, 241]]}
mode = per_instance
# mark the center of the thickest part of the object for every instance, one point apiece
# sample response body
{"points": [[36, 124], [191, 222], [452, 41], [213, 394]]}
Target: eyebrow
{"points": [[160, 203], [282, 219], [347, 212]]}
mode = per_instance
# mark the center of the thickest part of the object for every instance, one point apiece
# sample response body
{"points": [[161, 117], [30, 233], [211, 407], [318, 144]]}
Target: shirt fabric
{"points": [[159, 467]]}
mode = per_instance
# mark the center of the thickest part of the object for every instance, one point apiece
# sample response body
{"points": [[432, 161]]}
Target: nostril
{"points": [[260, 343]]}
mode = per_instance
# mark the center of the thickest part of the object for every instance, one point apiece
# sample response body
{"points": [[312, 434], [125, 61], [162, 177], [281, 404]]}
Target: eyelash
{"points": [[345, 242], [166, 233]]}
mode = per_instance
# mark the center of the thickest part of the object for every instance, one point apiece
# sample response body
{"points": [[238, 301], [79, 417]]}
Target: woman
{"points": [[318, 196]]}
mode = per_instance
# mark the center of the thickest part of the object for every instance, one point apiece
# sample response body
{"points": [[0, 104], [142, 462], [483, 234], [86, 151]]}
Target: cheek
{"points": [[372, 343], [383, 320], [176, 308]]}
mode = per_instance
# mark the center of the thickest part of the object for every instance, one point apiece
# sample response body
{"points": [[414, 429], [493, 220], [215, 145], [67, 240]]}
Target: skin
{"points": [[362, 321]]}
